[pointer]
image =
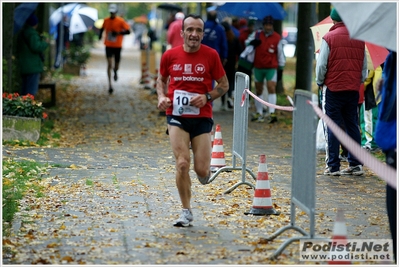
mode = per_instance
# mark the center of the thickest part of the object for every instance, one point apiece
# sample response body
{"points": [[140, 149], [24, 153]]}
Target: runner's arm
{"points": [[124, 32], [221, 88], [163, 101], [100, 35]]}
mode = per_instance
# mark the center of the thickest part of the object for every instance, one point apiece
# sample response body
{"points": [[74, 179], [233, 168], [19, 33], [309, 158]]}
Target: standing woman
{"points": [[30, 51]]}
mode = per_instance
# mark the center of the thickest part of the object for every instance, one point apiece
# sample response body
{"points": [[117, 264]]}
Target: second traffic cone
{"points": [[217, 159], [144, 72], [155, 78], [262, 203], [147, 80], [339, 238]]}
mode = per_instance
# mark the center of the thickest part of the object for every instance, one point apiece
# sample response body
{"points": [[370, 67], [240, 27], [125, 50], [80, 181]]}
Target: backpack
{"points": [[385, 132]]}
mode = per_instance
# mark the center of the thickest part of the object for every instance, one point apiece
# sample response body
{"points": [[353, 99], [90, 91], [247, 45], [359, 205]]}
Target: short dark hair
{"points": [[267, 20], [194, 16]]}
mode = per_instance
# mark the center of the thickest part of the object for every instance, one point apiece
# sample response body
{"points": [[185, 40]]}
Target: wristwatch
{"points": [[208, 97]]}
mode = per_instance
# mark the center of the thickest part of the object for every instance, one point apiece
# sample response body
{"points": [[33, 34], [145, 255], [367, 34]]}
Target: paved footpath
{"points": [[112, 198]]}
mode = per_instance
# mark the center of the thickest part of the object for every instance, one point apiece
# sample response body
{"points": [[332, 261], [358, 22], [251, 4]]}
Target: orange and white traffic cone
{"points": [[144, 72], [217, 159], [339, 238], [147, 80], [262, 203], [155, 78]]}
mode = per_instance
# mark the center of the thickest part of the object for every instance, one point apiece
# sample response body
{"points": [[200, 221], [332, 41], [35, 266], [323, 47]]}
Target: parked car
{"points": [[289, 35]]}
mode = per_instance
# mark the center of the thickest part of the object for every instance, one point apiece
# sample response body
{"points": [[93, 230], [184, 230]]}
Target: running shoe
{"points": [[115, 76], [185, 219], [261, 118], [256, 116], [272, 118], [328, 171], [204, 180], [353, 170]]}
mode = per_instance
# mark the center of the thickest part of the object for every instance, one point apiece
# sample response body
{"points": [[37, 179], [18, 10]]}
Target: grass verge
{"points": [[19, 177]]}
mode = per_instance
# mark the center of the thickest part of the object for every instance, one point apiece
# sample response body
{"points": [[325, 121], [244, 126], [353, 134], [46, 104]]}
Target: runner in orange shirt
{"points": [[115, 27]]}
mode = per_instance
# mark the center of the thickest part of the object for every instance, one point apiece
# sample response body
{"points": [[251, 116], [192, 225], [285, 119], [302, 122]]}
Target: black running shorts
{"points": [[194, 126], [113, 52]]}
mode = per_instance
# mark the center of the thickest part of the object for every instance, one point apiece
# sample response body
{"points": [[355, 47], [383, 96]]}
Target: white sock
{"points": [[272, 100], [259, 106]]}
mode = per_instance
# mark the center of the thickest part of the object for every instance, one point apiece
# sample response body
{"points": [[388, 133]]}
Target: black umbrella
{"points": [[170, 7]]}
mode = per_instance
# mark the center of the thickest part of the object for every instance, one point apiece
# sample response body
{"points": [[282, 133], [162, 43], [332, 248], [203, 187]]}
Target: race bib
{"points": [[111, 37], [181, 104]]}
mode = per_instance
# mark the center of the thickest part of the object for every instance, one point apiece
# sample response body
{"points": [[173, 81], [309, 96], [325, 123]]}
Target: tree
{"points": [[278, 27], [305, 46], [324, 10], [8, 23]]}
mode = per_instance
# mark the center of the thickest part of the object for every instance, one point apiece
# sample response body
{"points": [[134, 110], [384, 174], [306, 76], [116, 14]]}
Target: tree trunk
{"points": [[8, 23], [305, 46], [278, 27], [324, 10], [42, 12]]}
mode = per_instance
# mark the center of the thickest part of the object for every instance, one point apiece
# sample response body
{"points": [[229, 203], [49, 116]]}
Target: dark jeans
{"points": [[391, 200], [341, 107], [30, 84]]}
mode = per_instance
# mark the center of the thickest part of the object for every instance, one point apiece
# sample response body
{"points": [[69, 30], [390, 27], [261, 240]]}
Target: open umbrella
{"points": [[374, 22], [59, 13], [170, 7], [22, 13], [256, 10], [82, 19], [375, 54]]}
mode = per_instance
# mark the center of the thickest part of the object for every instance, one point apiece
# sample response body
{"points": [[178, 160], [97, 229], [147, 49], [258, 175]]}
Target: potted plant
{"points": [[75, 56], [22, 117]]}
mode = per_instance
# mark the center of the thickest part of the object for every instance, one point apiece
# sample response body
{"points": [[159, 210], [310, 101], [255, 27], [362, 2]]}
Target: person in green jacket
{"points": [[30, 56]]}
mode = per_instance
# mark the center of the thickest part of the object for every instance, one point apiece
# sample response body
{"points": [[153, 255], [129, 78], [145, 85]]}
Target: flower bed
{"points": [[22, 106], [22, 117]]}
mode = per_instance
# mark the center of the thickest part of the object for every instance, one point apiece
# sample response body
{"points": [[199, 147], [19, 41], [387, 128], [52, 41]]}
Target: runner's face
{"points": [[193, 33]]}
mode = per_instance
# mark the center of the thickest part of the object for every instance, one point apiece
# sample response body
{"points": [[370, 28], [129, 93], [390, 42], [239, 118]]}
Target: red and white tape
{"points": [[264, 102]]}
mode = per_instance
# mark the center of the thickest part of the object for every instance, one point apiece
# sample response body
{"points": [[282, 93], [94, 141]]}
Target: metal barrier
{"points": [[303, 185], [240, 133]]}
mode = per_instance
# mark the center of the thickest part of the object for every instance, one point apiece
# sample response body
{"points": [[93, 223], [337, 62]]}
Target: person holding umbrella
{"points": [[340, 70], [30, 56], [115, 28]]}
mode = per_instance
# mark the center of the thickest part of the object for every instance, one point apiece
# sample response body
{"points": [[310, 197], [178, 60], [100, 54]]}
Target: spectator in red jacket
{"points": [[174, 34], [341, 68], [269, 57]]}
